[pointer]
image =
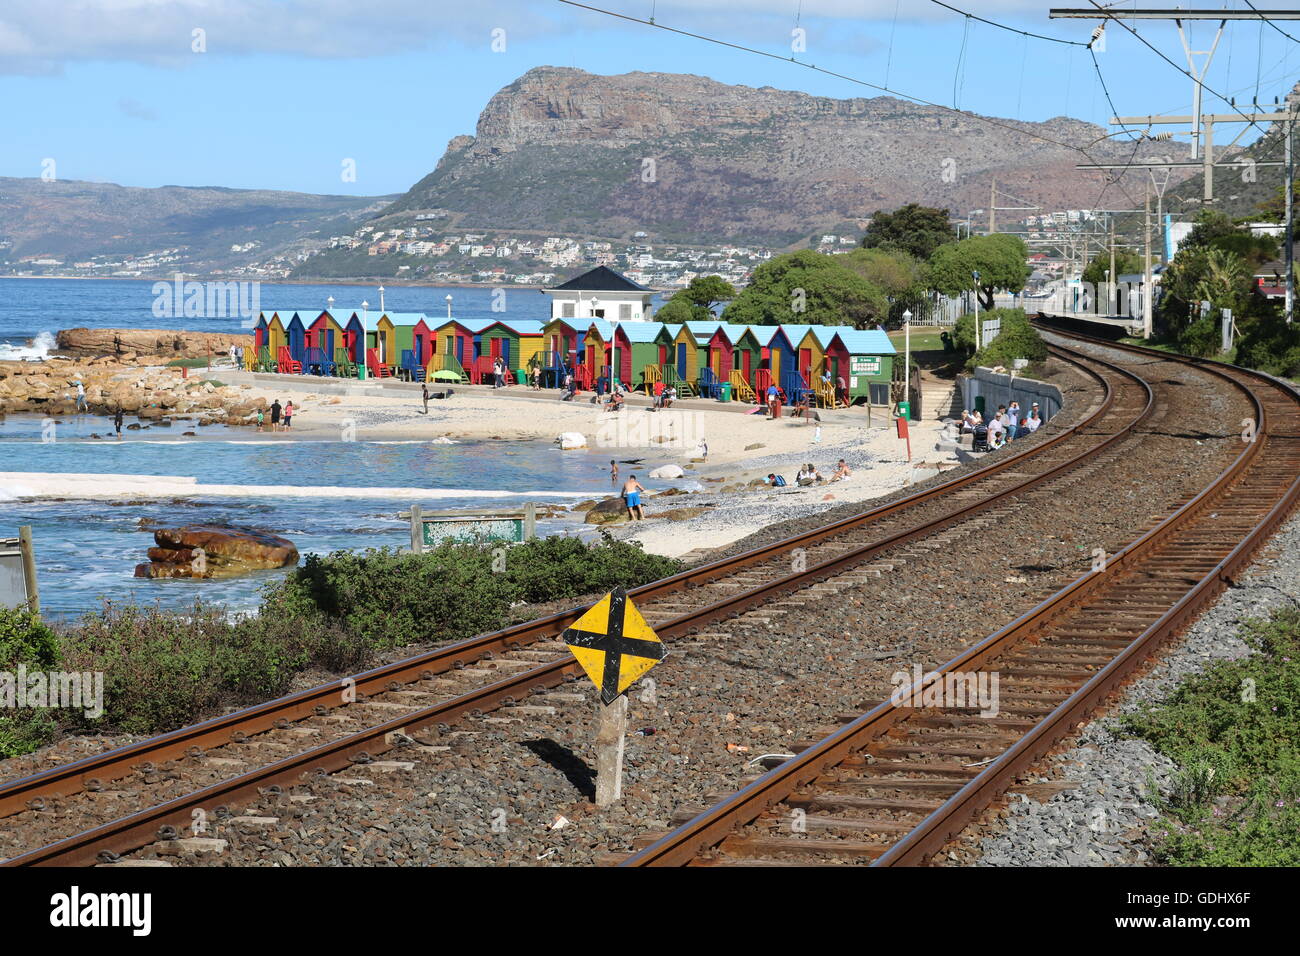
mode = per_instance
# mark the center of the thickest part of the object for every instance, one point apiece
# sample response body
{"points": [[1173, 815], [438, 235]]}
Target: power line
{"points": [[1264, 19], [1003, 26], [1110, 16]]}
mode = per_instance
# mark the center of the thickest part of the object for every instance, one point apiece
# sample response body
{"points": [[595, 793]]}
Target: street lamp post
{"points": [[976, 276], [907, 359], [449, 305], [361, 349]]}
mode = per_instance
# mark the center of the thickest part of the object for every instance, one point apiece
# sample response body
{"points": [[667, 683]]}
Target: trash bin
{"points": [[905, 410], [521, 376], [724, 392]]}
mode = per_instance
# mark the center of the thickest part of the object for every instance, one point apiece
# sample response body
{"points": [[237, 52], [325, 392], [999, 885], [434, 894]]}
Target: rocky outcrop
{"points": [[50, 388], [215, 551], [152, 343]]}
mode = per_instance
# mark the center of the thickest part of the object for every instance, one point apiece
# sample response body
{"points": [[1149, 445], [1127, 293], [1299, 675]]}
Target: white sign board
{"points": [[864, 365], [991, 329]]}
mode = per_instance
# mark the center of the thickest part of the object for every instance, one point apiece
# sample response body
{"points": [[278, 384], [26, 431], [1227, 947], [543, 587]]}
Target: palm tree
{"points": [[1224, 280]]}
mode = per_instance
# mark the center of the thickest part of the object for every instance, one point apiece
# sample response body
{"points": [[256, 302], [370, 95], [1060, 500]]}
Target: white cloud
{"points": [[159, 32]]}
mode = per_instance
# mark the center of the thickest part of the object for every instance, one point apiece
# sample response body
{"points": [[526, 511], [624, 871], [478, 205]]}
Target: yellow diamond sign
{"points": [[614, 644]]}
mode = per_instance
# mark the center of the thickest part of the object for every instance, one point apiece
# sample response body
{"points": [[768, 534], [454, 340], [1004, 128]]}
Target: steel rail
{"points": [[19, 794], [707, 829]]}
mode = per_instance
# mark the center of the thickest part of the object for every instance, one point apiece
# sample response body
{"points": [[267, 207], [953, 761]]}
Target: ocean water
{"points": [[87, 550], [33, 310]]}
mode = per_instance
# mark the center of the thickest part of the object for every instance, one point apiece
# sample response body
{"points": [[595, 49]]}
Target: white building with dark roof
{"points": [[601, 293]]}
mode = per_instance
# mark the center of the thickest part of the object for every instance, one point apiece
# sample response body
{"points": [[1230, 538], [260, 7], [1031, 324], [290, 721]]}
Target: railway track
{"points": [[262, 747], [893, 785]]}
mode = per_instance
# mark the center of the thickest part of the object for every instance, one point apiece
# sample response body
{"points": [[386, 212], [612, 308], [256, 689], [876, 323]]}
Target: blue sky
{"points": [[286, 90]]}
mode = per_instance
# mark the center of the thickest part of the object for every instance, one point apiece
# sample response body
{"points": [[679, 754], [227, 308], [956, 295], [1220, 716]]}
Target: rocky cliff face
{"points": [[686, 157]]}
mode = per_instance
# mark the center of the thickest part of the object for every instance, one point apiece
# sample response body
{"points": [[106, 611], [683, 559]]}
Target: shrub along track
{"points": [[159, 777], [894, 784]]}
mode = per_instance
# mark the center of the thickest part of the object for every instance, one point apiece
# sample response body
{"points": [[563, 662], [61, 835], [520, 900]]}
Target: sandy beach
{"points": [[718, 498]]}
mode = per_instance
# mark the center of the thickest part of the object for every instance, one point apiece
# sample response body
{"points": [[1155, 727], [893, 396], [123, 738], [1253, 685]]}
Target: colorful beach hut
{"points": [[597, 352], [747, 355], [507, 340], [412, 343], [870, 359], [268, 336], [637, 352], [561, 339], [778, 355]]}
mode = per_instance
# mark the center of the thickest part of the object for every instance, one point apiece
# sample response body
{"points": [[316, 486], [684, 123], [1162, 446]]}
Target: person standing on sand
{"points": [[275, 415], [632, 492], [261, 419], [424, 394], [288, 415], [117, 422], [613, 471]]}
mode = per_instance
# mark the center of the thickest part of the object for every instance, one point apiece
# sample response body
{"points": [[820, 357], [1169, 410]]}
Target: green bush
{"points": [[1231, 732], [1016, 339], [1272, 346], [164, 669], [27, 643], [391, 599], [554, 568], [1202, 338]]}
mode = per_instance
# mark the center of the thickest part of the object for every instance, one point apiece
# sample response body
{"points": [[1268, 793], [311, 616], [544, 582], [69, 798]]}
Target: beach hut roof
{"points": [[704, 330], [766, 333], [866, 341], [476, 325], [522, 326], [601, 279], [604, 329], [640, 331], [407, 318]]}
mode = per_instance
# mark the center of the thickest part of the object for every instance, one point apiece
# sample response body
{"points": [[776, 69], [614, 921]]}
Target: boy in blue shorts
{"points": [[632, 492]]}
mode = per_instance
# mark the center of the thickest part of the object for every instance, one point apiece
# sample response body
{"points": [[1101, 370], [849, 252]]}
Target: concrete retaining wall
{"points": [[999, 389]]}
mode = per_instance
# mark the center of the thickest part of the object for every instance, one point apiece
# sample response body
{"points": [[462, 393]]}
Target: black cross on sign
{"points": [[614, 645]]}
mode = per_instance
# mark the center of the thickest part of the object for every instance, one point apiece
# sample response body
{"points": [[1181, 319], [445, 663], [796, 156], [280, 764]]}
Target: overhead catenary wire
{"points": [[1003, 26], [1264, 19], [1143, 40]]}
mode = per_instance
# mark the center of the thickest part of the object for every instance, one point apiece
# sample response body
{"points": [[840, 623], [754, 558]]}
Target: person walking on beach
{"points": [[613, 471], [424, 394], [81, 397], [261, 419], [275, 415], [632, 493], [233, 353], [288, 415], [117, 422]]}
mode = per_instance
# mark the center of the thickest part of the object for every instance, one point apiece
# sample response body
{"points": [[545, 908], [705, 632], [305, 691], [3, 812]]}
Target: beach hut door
{"points": [[748, 359], [805, 364], [681, 359]]}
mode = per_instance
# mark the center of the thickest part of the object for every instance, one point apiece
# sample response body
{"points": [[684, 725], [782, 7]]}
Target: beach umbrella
{"points": [[445, 375]]}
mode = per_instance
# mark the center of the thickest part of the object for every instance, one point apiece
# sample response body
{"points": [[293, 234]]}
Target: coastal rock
{"points": [[668, 471], [130, 344], [609, 511], [209, 551]]}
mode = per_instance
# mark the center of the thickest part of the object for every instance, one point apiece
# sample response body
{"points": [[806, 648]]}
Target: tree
{"points": [[807, 287], [695, 302], [1127, 262], [1000, 260], [918, 230], [708, 291], [898, 273]]}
